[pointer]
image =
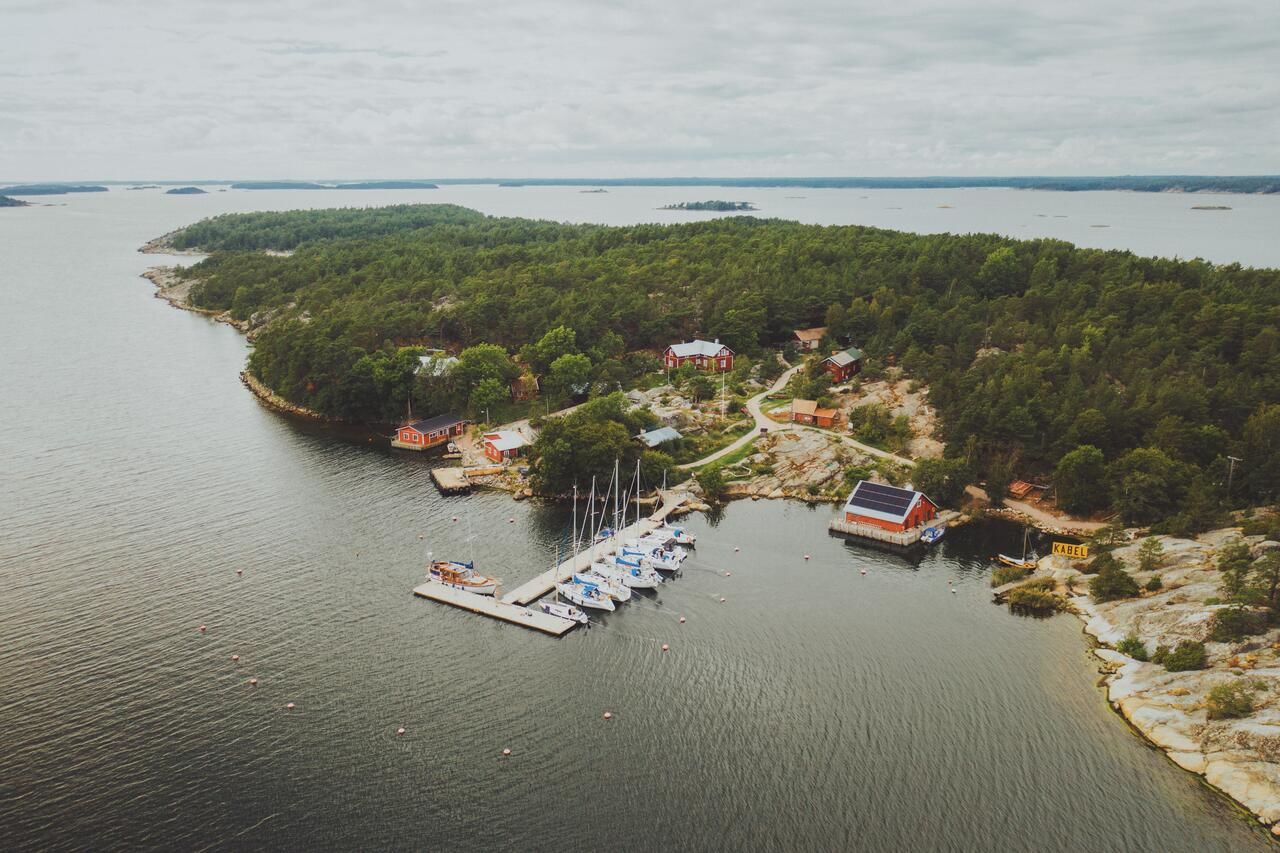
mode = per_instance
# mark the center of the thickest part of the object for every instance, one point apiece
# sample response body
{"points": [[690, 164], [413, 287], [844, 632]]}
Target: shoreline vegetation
{"points": [[721, 206], [6, 201]]}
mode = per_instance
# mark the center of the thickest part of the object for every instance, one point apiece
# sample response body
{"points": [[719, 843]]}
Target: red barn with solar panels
{"points": [[888, 507]]}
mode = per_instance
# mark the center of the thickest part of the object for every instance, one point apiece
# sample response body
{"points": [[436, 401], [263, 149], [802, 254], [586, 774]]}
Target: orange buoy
{"points": [[506, 752], [681, 620], [235, 658], [455, 518], [864, 571], [400, 730], [806, 556], [289, 706], [253, 682], [608, 715], [665, 647]]}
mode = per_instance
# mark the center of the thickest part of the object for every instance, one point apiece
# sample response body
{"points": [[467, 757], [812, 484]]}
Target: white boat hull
{"points": [[609, 587], [628, 575], [578, 595], [564, 611]]}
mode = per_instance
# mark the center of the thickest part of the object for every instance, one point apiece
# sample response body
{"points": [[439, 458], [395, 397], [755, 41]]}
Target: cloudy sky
{"points": [[610, 88]]}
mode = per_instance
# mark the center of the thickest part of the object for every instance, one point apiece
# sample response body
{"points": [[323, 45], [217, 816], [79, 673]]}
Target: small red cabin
{"points": [[503, 445], [888, 507], [420, 435], [809, 412], [704, 355], [843, 364]]}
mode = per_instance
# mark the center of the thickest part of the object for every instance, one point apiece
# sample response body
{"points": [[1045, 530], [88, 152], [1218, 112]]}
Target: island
{"points": [[710, 205], [50, 189], [144, 187], [388, 185], [278, 185], [185, 191], [1210, 207], [596, 190], [6, 201]]}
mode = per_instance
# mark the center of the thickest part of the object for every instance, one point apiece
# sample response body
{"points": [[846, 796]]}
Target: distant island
{"points": [[50, 189], [356, 185], [710, 205], [5, 201], [388, 185], [145, 187], [596, 190], [1210, 207], [185, 191]]}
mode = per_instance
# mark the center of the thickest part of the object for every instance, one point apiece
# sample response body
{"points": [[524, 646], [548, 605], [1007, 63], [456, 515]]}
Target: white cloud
{"points": [[613, 89]]}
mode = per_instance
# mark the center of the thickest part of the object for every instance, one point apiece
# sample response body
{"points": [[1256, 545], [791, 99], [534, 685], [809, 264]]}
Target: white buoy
{"points": [[506, 752], [736, 549], [289, 706], [400, 730], [722, 599], [806, 556], [681, 620], [728, 574], [953, 590], [608, 715], [864, 571], [511, 521], [665, 647], [455, 518], [239, 571]]}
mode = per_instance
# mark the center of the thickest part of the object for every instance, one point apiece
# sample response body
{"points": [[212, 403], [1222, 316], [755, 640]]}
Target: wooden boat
{"points": [[1019, 562], [461, 576]]}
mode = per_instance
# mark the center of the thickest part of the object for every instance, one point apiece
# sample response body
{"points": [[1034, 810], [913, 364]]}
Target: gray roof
{"points": [[654, 437], [439, 422], [709, 349]]}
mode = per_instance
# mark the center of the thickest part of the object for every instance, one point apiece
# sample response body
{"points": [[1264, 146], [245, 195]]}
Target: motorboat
{"points": [[585, 595], [931, 535], [460, 575]]}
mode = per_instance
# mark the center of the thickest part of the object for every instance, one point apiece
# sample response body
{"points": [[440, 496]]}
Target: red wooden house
{"points": [[503, 445], [888, 507], [843, 364], [420, 435], [704, 355]]}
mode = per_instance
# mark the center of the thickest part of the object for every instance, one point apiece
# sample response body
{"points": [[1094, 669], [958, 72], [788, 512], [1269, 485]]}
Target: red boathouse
{"points": [[888, 507], [420, 435]]}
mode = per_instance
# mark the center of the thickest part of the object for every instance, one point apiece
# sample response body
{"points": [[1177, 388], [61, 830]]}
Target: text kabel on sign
{"points": [[1069, 549]]}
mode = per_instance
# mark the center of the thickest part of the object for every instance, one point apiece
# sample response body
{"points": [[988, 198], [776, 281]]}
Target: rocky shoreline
{"points": [[1239, 757]]}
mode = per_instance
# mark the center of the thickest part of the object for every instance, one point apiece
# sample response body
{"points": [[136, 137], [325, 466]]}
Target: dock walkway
{"points": [[487, 605], [532, 590]]}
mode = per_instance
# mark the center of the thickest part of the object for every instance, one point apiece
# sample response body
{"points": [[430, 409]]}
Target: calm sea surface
{"points": [[816, 709]]}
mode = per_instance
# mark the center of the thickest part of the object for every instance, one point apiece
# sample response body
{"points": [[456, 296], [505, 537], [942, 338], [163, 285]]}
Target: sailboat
{"points": [[585, 595], [1024, 562], [556, 607]]}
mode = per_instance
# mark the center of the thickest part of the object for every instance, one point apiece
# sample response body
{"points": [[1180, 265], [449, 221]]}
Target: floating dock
{"points": [[451, 481], [671, 502], [487, 605]]}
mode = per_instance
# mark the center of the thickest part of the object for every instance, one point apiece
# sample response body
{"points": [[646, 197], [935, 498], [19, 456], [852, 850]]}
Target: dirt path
{"points": [[762, 421], [1040, 516]]}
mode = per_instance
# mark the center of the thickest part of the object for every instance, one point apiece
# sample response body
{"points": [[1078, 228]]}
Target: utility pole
{"points": [[486, 414], [1231, 473]]}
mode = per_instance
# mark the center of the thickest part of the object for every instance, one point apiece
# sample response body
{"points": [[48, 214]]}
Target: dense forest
{"points": [[50, 189], [1128, 380], [5, 201]]}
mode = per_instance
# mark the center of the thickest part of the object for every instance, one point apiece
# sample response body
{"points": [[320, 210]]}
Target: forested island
{"points": [[5, 201], [185, 191], [50, 189], [1126, 381], [710, 205], [354, 185]]}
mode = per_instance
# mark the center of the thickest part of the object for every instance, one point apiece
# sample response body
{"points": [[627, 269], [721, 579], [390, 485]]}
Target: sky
{"points": [[259, 89]]}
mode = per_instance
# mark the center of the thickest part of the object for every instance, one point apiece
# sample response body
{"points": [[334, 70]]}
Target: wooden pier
{"points": [[487, 605], [451, 481], [672, 502]]}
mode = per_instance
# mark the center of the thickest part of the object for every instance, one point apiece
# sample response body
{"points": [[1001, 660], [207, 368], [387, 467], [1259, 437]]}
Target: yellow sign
{"points": [[1066, 549]]}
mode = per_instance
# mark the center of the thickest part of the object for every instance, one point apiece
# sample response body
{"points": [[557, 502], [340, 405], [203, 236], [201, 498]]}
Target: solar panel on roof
{"points": [[886, 499]]}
